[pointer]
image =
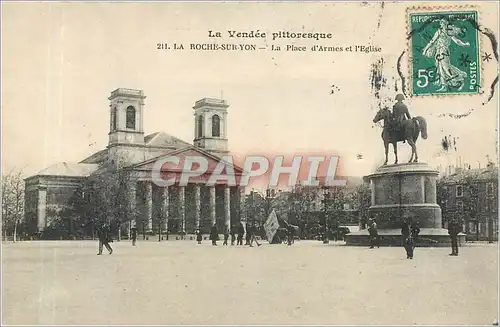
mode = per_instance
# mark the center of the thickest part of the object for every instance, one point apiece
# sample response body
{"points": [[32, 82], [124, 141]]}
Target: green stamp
{"points": [[444, 53]]}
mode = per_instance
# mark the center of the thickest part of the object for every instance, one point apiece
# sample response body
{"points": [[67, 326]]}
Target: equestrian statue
{"points": [[400, 127]]}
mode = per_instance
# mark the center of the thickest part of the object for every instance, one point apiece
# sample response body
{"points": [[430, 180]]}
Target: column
{"points": [[149, 206], [197, 202], [133, 203], [227, 206], [41, 208], [212, 205], [164, 198], [243, 216], [182, 211]]}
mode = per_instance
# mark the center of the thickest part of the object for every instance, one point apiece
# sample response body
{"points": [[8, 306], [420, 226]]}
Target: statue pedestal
{"points": [[404, 191]]}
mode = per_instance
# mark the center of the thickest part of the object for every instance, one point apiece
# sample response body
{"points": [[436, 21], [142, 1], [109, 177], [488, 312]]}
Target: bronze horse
{"points": [[408, 132]]}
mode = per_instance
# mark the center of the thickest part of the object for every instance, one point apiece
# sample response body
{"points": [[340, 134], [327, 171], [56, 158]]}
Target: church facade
{"points": [[180, 209]]}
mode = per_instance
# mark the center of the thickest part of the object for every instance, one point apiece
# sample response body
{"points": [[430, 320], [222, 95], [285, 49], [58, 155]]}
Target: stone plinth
{"points": [[404, 191]]}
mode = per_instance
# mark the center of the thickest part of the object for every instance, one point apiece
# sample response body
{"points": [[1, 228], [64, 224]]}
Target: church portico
{"points": [[183, 209]]}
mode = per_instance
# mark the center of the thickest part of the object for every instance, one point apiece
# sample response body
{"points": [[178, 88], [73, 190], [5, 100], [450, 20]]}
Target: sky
{"points": [[60, 61]]}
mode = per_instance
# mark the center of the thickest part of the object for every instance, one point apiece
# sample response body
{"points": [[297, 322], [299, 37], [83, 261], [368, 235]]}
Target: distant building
{"points": [[48, 191], [311, 200], [471, 195]]}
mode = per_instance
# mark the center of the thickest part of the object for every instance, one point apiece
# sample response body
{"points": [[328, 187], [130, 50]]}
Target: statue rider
{"points": [[400, 112]]}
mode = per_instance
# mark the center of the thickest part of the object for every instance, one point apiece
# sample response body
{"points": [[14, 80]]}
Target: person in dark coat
{"points": [[252, 232], [454, 228], [133, 234], [372, 229], [241, 232], [248, 235], [226, 235], [214, 234], [233, 235], [289, 235], [199, 236], [104, 235], [410, 232]]}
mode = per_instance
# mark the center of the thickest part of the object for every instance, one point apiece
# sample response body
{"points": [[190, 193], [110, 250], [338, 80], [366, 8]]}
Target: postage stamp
{"points": [[444, 51]]}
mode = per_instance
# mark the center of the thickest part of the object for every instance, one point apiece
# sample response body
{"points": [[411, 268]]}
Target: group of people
{"points": [[236, 233], [410, 231]]}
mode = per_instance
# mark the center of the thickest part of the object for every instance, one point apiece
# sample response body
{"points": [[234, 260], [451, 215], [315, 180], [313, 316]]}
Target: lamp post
{"points": [[326, 199]]}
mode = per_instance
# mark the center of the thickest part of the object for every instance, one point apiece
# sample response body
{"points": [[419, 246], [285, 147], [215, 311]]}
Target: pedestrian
{"points": [[252, 236], [410, 231], [454, 228], [241, 232], [199, 236], [290, 233], [104, 235], [372, 229], [248, 235], [133, 234], [226, 235], [214, 234], [233, 235]]}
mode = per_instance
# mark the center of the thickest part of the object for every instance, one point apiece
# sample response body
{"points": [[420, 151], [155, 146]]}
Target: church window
{"points": [[215, 126], [113, 118], [200, 126], [131, 117]]}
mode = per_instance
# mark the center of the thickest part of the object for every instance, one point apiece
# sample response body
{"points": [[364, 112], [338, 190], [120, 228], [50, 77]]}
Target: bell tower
{"points": [[210, 132], [126, 117]]}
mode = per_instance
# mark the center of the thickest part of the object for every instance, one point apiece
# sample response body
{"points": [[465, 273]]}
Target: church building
{"points": [[181, 209]]}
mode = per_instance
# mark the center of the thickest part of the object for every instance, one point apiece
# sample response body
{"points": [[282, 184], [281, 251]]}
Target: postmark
{"points": [[445, 52]]}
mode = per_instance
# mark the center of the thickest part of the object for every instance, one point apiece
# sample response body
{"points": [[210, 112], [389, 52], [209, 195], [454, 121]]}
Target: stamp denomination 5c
{"points": [[444, 49]]}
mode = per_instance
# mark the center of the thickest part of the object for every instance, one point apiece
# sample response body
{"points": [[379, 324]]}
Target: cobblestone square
{"points": [[180, 282]]}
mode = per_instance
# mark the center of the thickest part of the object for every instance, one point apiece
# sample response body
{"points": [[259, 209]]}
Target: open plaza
{"points": [[181, 282]]}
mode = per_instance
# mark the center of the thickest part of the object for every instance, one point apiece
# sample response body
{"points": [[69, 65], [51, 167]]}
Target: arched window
{"points": [[113, 119], [215, 126], [200, 126], [131, 117]]}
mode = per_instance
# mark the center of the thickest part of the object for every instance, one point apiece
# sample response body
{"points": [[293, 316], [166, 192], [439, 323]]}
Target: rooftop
{"points": [[127, 93], [489, 173], [69, 169], [212, 102]]}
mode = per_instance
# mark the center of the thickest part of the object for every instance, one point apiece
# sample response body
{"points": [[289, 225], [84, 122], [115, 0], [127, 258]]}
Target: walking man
{"points": [[104, 234], [290, 231], [133, 234], [454, 229], [199, 236], [226, 235], [252, 236], [372, 229], [233, 235], [410, 232], [214, 234], [248, 235], [241, 232]]}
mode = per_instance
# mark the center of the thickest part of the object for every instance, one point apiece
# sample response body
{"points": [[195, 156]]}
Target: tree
{"points": [[12, 202], [363, 199], [333, 208], [108, 197], [442, 195], [302, 200], [470, 202], [256, 208]]}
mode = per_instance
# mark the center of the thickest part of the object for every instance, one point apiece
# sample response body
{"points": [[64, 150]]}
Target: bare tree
{"points": [[12, 202]]}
